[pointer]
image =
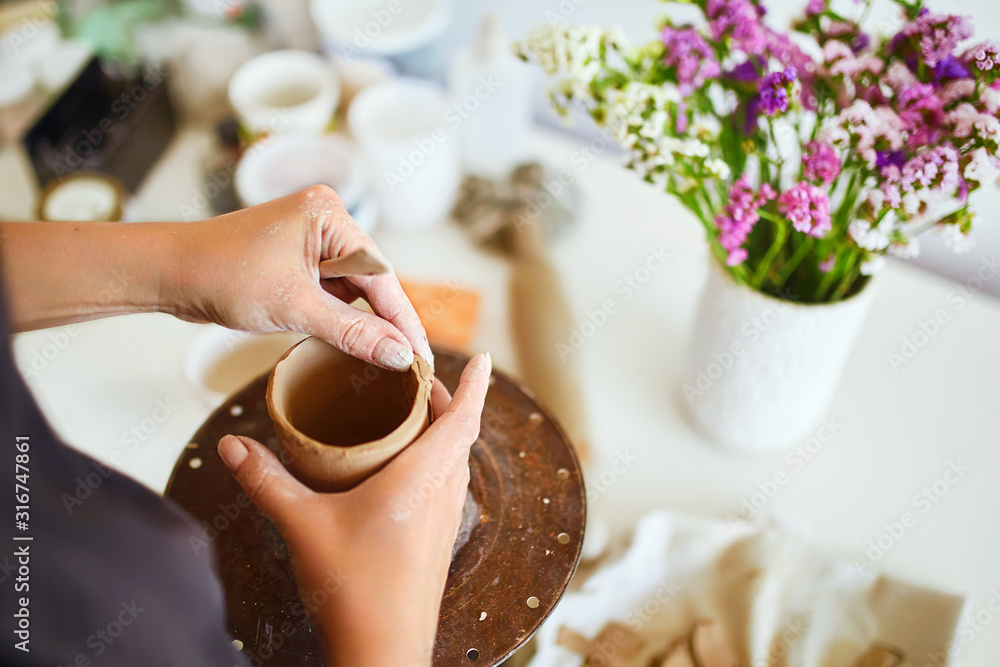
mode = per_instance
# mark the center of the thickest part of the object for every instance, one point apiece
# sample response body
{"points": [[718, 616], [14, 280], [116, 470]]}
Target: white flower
{"points": [[907, 250], [876, 198], [872, 265], [955, 239], [911, 203], [983, 168], [868, 237], [963, 118], [989, 127], [835, 50], [717, 168], [991, 98], [706, 127]]}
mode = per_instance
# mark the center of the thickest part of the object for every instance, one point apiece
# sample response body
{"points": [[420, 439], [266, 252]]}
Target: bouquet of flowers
{"points": [[806, 156]]}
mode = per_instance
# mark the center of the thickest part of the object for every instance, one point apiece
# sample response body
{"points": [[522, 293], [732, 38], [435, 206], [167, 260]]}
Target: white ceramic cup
{"points": [[284, 164], [407, 33], [403, 127], [285, 92]]}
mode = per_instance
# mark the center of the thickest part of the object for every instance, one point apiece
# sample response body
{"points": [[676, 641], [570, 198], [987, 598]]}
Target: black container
{"points": [[117, 126]]}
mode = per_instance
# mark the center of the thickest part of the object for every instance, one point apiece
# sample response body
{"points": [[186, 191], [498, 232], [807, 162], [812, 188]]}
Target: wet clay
{"points": [[338, 405], [339, 419]]}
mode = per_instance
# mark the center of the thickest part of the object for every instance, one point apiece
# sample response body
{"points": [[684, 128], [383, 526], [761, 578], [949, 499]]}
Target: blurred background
{"points": [[419, 116]]}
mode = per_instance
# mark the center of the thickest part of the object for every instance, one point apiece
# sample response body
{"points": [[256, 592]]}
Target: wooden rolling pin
{"points": [[541, 318]]}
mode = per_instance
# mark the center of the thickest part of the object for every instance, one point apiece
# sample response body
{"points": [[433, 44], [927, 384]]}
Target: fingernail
{"points": [[393, 354], [233, 452], [484, 364]]}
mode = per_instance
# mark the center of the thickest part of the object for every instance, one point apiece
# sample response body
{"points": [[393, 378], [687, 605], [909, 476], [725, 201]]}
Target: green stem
{"points": [[793, 262], [780, 237], [847, 280]]}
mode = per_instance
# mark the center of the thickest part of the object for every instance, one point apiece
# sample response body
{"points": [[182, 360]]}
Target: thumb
{"points": [[268, 484]]}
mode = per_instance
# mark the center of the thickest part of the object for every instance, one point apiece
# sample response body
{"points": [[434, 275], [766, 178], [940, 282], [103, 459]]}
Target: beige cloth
{"points": [[778, 599]]}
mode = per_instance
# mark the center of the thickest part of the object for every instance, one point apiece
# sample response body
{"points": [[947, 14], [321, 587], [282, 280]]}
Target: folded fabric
{"points": [[696, 591]]}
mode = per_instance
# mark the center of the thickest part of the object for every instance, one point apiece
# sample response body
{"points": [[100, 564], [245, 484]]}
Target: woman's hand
{"points": [[258, 270], [253, 270], [379, 552]]}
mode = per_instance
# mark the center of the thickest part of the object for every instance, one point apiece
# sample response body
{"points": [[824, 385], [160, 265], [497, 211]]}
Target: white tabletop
{"points": [[901, 429]]}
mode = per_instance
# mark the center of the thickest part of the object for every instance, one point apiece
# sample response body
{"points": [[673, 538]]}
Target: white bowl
{"points": [[218, 361], [407, 33], [285, 92], [284, 164]]}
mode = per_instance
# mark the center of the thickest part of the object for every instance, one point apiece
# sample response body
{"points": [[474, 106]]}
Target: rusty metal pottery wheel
{"points": [[502, 584]]}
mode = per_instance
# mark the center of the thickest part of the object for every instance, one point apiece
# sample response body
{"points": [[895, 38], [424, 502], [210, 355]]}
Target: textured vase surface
{"points": [[761, 371]]}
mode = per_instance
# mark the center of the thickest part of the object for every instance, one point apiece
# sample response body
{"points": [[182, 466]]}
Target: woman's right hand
{"points": [[381, 551]]}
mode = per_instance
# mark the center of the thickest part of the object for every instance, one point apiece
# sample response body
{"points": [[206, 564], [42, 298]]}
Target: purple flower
{"points": [[750, 115], [949, 69], [820, 162], [745, 72], [774, 89], [740, 20], [890, 158], [827, 264], [693, 58], [739, 217], [860, 42], [808, 208]]}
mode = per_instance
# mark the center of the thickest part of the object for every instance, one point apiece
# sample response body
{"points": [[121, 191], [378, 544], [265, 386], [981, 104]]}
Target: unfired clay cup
{"points": [[338, 419]]}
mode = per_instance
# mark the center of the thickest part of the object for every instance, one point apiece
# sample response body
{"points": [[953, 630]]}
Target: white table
{"points": [[900, 430]]}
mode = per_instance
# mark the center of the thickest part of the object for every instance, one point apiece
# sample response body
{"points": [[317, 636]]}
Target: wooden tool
{"points": [[358, 263], [509, 216]]}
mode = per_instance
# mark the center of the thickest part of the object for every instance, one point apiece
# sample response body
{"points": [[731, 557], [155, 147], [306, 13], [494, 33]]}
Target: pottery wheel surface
{"points": [[502, 584]]}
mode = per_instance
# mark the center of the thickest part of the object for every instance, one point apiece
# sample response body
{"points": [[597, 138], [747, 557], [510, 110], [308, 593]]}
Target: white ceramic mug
{"points": [[285, 92], [403, 127]]}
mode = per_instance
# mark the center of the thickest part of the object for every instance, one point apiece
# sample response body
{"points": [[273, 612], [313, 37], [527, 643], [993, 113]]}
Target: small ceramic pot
{"points": [[761, 371], [338, 419], [294, 92]]}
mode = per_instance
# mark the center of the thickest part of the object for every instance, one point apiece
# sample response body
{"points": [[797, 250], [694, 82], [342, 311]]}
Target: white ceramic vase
{"points": [[761, 371]]}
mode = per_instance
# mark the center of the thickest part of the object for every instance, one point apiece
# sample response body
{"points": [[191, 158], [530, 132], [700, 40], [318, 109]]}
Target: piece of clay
{"points": [[678, 655], [710, 647], [340, 419], [880, 655]]}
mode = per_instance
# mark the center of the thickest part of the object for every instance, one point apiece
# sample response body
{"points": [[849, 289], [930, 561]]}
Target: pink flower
{"points": [[933, 168], [740, 216], [740, 20], [984, 56], [962, 120], [936, 35], [816, 7], [808, 208], [820, 162], [690, 54], [827, 265], [957, 90], [922, 114], [899, 76]]}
